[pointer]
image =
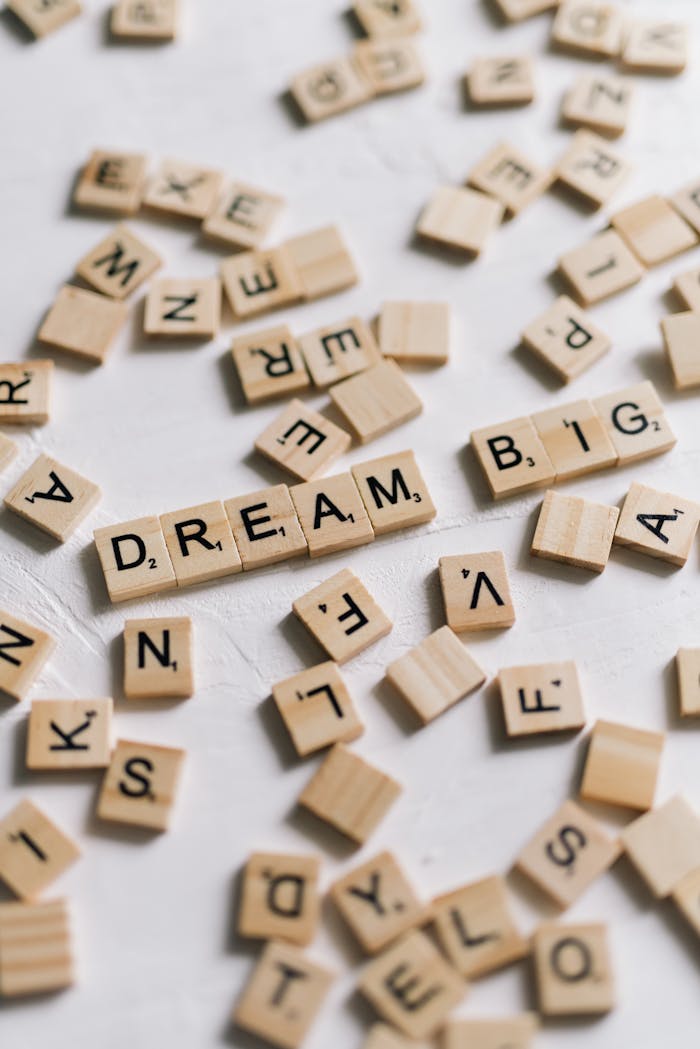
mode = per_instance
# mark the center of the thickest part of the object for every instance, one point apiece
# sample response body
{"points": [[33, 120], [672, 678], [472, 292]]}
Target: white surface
{"points": [[161, 428]]}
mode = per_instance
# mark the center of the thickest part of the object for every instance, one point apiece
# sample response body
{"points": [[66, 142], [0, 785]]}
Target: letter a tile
{"points": [[53, 497], [658, 524]]}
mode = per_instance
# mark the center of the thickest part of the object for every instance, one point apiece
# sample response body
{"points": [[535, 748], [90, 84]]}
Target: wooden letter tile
{"points": [[591, 169], [636, 422], [377, 18], [394, 492], [687, 201], [8, 450], [574, 974], [378, 902], [460, 218], [200, 543], [258, 281], [33, 851], [655, 47], [688, 667], [376, 401], [321, 262], [338, 351], [416, 332], [317, 709], [23, 651], [601, 103], [243, 217], [389, 65], [575, 439], [140, 785], [476, 929], [687, 289], [566, 339], [45, 16], [265, 527], [664, 845], [512, 457], [145, 20], [435, 675], [588, 28], [681, 332], [36, 950], [654, 230], [517, 10], [83, 323], [119, 264], [113, 182], [332, 514], [158, 658], [575, 531], [508, 175], [326, 90], [622, 765], [283, 996], [280, 898], [503, 81], [303, 442], [544, 697], [476, 592], [183, 308], [25, 392], [382, 1036], [269, 364], [567, 854], [350, 794], [184, 189], [69, 734], [343, 616], [53, 497], [686, 897], [135, 559], [515, 1032], [658, 524], [602, 267]]}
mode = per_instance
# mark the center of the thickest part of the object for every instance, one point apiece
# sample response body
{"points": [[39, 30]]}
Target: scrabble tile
{"points": [[19, 668], [378, 18], [187, 308], [515, 1032], [411, 986], [653, 230], [681, 334], [591, 169], [476, 592], [460, 218], [269, 364], [140, 784], [69, 734], [382, 1036], [342, 615], [543, 697], [265, 527], [688, 668], [8, 450], [377, 901], [599, 102], [152, 20], [567, 854], [83, 323], [25, 392], [200, 543], [435, 675], [664, 845], [317, 709], [134, 559], [389, 65], [322, 262], [46, 16], [258, 281], [588, 28], [658, 524], [501, 81], [119, 264], [36, 950], [622, 765], [338, 351], [574, 531], [512, 457], [687, 201], [600, 268], [566, 339], [53, 497], [394, 492], [280, 898], [329, 89], [512, 178], [158, 658], [350, 794], [283, 996], [331, 514], [476, 929], [184, 189], [573, 969], [655, 47], [416, 332], [33, 851], [517, 10], [376, 401], [244, 216], [636, 422], [687, 288], [575, 439], [686, 897], [112, 181]]}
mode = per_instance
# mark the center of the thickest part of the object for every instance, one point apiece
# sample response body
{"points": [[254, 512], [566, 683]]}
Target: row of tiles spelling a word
{"points": [[573, 439]]}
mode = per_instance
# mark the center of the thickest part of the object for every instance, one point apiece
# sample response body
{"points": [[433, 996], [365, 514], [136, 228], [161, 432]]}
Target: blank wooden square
{"points": [[655, 47], [513, 1032], [53, 497], [183, 189], [599, 102], [332, 514], [135, 559], [574, 531], [658, 524], [342, 615], [244, 216], [329, 89], [317, 709], [158, 658], [460, 218], [69, 734], [512, 178], [542, 697], [575, 439], [517, 10], [24, 649], [686, 201], [566, 339], [415, 332], [591, 169], [266, 527], [269, 364], [687, 289], [592, 29], [394, 492], [600, 268], [681, 334], [140, 785], [507, 80], [36, 949], [686, 897], [259, 281], [303, 442], [382, 1036], [512, 457], [200, 543], [376, 401], [112, 181], [389, 66], [573, 969], [622, 765], [25, 392], [119, 264], [183, 308], [377, 901], [664, 845], [476, 929], [8, 451], [380, 19], [654, 230], [338, 351], [46, 16], [476, 592], [83, 323], [636, 422], [688, 669], [350, 794], [567, 854], [280, 898], [153, 21], [321, 262], [33, 850], [435, 675]]}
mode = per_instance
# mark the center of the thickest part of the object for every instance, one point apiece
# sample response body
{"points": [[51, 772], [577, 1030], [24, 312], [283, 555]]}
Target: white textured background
{"points": [[163, 427]]}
